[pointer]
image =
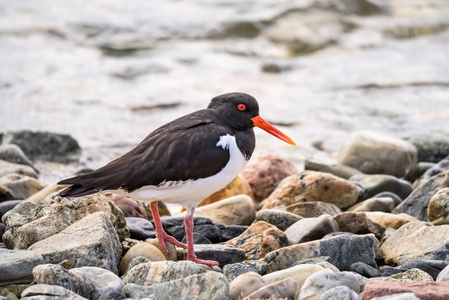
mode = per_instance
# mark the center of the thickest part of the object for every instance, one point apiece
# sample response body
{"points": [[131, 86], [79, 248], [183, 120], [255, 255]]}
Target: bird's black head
{"points": [[235, 109]]}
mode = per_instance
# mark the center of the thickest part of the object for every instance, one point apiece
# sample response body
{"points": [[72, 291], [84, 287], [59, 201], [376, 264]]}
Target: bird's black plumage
{"points": [[184, 149]]}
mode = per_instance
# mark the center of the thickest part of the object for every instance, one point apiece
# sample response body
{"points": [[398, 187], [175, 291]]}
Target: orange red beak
{"points": [[261, 123]]}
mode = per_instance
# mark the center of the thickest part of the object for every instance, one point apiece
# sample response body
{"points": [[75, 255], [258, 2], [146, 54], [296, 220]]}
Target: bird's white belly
{"points": [[192, 192]]}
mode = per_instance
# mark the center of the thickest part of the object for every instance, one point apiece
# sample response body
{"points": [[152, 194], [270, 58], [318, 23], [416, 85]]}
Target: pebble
{"points": [[20, 186], [259, 239], [309, 229], [232, 271], [279, 218], [416, 204], [443, 275], [432, 146], [359, 223], [384, 204], [92, 241], [376, 153], [387, 220], [265, 172], [423, 290], [7, 168], [378, 183], [146, 250], [396, 199], [128, 206], [13, 154], [344, 250], [172, 252], [411, 275], [48, 292], [313, 209], [223, 254], [438, 209], [285, 289], [245, 285], [335, 169], [210, 285], [197, 239], [320, 282], [239, 186], [237, 210], [140, 229], [340, 293], [313, 186], [436, 169], [6, 206], [298, 274], [16, 266]]}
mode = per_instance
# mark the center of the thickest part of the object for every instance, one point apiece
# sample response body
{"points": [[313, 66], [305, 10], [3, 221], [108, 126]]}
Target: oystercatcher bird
{"points": [[183, 161]]}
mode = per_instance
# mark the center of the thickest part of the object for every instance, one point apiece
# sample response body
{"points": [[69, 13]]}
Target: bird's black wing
{"points": [[183, 149]]}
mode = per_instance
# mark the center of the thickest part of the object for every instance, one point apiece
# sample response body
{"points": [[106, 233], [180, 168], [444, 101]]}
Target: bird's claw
{"points": [[165, 237]]}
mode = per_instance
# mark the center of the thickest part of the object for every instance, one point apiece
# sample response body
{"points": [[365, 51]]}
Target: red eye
{"points": [[241, 106]]}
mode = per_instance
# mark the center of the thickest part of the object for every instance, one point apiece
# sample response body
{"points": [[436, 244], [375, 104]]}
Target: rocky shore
{"points": [[374, 225]]}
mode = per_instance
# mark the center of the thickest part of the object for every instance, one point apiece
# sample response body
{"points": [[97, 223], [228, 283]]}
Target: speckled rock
{"points": [[313, 209], [13, 154], [245, 284], [424, 290], [6, 206], [285, 289], [129, 207], [378, 183], [340, 293], [376, 153], [259, 239], [298, 273], [416, 204], [16, 266], [312, 187], [429, 242], [438, 209], [32, 221], [142, 249], [387, 220], [318, 283], [357, 222], [232, 271], [239, 186], [411, 275], [432, 146], [279, 218], [7, 168], [335, 169], [20, 186], [264, 173], [47, 292], [45, 192], [383, 204], [210, 285], [56, 275], [309, 229], [344, 250]]}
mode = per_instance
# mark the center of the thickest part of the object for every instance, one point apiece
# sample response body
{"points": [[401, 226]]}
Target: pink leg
{"points": [[161, 235], [189, 233]]}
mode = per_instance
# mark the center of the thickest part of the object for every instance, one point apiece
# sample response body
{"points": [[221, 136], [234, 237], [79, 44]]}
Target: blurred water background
{"points": [[108, 72]]}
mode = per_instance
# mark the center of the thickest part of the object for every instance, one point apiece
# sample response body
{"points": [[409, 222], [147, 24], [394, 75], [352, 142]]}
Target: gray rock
{"points": [[313, 209], [432, 146], [337, 169], [340, 293], [418, 170], [375, 184], [309, 229], [52, 274], [223, 254], [285, 289], [32, 221], [20, 186], [92, 241], [280, 219], [12, 153], [396, 199], [49, 292], [210, 285], [431, 267], [436, 169], [7, 168], [134, 262], [140, 229], [16, 266], [197, 239], [45, 145], [7, 206], [231, 271], [416, 204], [443, 275]]}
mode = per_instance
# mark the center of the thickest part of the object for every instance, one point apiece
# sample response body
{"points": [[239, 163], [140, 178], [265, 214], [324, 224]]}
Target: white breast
{"points": [[192, 192]]}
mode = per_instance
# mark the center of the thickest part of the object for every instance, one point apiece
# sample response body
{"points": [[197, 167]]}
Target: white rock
{"points": [[297, 273], [95, 281], [245, 284]]}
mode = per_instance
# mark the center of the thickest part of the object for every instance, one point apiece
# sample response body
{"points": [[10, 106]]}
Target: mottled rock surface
{"points": [[309, 229], [16, 266], [438, 209], [12, 168], [383, 204], [20, 186], [45, 291], [232, 271], [313, 209], [432, 146], [387, 220], [357, 222], [378, 183], [424, 290], [280, 219]]}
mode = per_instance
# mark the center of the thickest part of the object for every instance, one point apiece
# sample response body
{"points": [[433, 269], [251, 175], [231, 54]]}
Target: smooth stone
{"points": [[20, 186], [432, 146], [285, 289], [298, 274], [387, 220], [223, 254], [416, 204], [232, 271], [210, 285], [45, 192], [146, 250], [162, 271], [16, 266], [311, 186], [309, 229], [7, 168], [438, 209], [423, 290], [172, 252], [431, 267], [335, 169], [358, 223], [340, 293], [429, 242], [443, 275], [280, 219], [52, 274], [49, 292], [33, 221], [95, 283], [129, 207], [239, 186], [13, 154], [140, 229], [344, 250], [313, 209], [320, 282], [378, 183], [376, 153], [6, 206], [396, 199], [369, 271], [383, 204], [400, 296], [265, 172], [134, 262], [411, 275], [92, 241], [46, 146], [245, 284], [237, 210], [417, 171], [441, 167], [259, 239]]}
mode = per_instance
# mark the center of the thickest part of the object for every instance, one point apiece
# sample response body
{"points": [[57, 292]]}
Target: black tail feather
{"points": [[77, 191]]}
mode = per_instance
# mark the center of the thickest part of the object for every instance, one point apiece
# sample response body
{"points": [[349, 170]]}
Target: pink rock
{"points": [[129, 207], [423, 289]]}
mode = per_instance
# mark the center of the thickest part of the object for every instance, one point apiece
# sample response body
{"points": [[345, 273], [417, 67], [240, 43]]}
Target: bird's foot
{"points": [[165, 237], [211, 263]]}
